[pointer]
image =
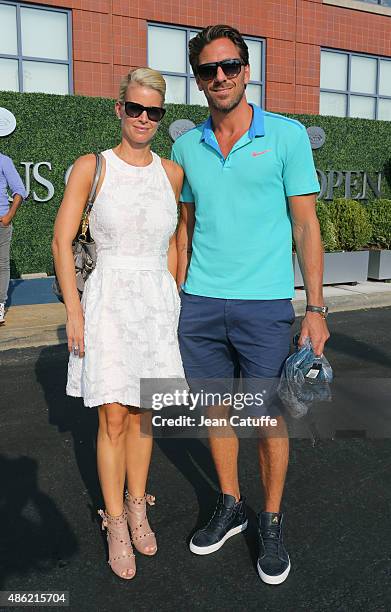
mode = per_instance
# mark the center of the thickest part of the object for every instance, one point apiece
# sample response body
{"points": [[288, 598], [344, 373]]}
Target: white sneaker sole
{"points": [[274, 579], [207, 550]]}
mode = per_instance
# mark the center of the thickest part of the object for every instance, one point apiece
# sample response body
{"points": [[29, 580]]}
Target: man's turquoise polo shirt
{"points": [[242, 241]]}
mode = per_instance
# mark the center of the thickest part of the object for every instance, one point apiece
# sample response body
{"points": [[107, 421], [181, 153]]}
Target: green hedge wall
{"points": [[58, 129]]}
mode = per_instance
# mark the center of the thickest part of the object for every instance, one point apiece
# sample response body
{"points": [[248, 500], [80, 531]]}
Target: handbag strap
{"points": [[98, 172], [91, 197]]}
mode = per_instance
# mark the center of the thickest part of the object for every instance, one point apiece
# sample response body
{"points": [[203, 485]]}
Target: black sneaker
{"points": [[229, 518], [273, 561]]}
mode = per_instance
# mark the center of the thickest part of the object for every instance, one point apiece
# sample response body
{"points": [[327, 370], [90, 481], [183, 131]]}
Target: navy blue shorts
{"points": [[226, 339]]}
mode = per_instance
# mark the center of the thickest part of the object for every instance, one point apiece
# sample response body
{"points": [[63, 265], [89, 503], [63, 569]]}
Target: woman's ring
{"points": [[75, 350]]}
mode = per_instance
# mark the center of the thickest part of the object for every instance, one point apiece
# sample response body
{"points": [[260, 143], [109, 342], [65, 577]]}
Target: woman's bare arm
{"points": [[172, 256], [175, 176], [65, 229], [184, 240]]}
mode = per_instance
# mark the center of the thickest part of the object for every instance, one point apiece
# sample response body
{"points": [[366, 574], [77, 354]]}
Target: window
{"points": [[167, 52], [35, 49], [381, 2], [355, 85]]}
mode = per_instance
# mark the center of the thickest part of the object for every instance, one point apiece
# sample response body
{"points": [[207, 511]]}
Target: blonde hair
{"points": [[147, 77]]}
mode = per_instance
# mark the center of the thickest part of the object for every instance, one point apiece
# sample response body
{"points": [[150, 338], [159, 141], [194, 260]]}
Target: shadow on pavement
{"points": [[69, 415], [192, 458], [358, 350], [34, 533]]}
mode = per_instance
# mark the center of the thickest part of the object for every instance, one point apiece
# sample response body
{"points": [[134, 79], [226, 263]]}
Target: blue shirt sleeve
{"points": [[299, 174], [187, 194], [13, 179]]}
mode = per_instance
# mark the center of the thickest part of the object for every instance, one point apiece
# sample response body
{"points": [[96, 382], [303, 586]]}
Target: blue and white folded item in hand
{"points": [[305, 379]]}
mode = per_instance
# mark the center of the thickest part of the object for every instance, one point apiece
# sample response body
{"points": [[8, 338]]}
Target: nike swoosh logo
{"points": [[256, 153]]}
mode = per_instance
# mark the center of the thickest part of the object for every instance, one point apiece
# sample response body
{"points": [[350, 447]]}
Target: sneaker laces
{"points": [[219, 515], [271, 539]]}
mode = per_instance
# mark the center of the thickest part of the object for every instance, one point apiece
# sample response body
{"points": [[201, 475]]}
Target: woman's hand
{"points": [[75, 333]]}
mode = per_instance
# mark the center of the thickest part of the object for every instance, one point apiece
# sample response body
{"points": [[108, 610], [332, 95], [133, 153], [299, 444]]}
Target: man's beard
{"points": [[223, 108]]}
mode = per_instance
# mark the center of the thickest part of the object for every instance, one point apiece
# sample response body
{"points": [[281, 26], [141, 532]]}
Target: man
{"points": [[250, 179], [9, 178]]}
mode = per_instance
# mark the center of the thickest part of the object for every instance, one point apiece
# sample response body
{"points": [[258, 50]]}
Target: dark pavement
{"points": [[337, 501]]}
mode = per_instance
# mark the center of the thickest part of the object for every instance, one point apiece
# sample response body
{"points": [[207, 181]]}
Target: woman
{"points": [[125, 327]]}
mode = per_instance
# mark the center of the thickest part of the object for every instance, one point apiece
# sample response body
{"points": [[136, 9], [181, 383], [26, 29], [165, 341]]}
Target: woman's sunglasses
{"points": [[230, 67], [155, 113]]}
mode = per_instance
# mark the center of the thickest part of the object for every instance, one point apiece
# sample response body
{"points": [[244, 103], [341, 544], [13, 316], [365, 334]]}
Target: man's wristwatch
{"points": [[322, 310]]}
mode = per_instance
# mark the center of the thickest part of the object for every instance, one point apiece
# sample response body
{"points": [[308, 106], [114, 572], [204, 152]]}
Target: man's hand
{"points": [[5, 220], [315, 328]]}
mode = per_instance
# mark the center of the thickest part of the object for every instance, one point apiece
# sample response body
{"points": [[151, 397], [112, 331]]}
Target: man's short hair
{"points": [[210, 33]]}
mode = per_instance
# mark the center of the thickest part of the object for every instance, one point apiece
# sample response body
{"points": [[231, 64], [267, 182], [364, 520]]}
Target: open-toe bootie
{"points": [[121, 556], [142, 535]]}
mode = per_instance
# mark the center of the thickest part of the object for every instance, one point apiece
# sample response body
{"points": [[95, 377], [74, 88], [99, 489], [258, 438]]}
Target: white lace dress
{"points": [[130, 302]]}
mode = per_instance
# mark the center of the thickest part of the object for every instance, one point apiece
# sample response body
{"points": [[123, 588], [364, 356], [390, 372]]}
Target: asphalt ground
{"points": [[337, 501]]}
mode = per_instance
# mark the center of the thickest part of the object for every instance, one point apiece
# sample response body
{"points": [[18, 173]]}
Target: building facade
{"points": [[307, 56]]}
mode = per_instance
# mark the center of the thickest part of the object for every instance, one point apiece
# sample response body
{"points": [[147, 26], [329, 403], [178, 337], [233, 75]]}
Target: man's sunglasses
{"points": [[155, 113], [230, 67]]}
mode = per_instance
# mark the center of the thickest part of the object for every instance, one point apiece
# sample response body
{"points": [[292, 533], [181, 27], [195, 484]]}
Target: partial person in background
{"points": [[9, 179]]}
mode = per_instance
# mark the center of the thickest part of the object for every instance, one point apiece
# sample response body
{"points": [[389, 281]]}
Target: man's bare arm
{"points": [[309, 248]]}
